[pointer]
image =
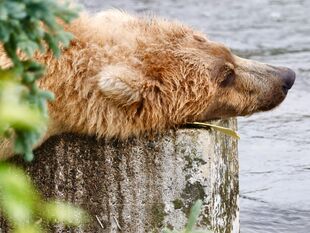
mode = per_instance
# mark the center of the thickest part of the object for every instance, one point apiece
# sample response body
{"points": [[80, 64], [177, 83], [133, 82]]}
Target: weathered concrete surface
{"points": [[142, 185]]}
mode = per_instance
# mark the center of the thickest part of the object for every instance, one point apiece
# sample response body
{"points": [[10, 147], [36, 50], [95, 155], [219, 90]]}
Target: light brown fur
{"points": [[125, 75]]}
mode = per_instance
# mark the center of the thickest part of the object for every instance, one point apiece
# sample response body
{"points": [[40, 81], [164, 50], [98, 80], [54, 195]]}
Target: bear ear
{"points": [[121, 83]]}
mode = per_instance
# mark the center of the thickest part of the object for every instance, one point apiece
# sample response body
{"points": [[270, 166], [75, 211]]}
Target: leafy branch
{"points": [[27, 26]]}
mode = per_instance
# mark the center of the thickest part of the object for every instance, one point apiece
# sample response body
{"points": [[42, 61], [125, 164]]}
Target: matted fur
{"points": [[125, 75]]}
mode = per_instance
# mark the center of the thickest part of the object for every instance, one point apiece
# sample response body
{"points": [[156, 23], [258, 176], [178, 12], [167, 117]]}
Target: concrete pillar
{"points": [[142, 185]]}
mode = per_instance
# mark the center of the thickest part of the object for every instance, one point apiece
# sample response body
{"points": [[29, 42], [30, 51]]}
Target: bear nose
{"points": [[288, 77]]}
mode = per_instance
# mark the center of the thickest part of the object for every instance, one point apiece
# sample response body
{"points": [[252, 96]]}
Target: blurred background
{"points": [[274, 148]]}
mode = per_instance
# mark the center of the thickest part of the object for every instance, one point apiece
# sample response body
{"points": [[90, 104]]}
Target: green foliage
{"points": [[25, 27], [26, 209], [192, 221]]}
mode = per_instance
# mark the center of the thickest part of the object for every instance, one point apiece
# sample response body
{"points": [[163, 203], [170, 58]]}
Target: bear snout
{"points": [[287, 76]]}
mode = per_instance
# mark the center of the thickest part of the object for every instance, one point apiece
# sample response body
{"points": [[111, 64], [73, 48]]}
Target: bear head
{"points": [[180, 76]]}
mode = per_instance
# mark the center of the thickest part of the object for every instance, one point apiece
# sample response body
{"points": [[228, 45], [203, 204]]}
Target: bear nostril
{"points": [[285, 89], [288, 77]]}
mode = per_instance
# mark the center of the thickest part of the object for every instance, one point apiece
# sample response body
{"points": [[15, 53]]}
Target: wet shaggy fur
{"points": [[126, 75]]}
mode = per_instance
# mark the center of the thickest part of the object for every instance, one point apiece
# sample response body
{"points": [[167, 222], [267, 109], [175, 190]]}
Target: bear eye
{"points": [[229, 78]]}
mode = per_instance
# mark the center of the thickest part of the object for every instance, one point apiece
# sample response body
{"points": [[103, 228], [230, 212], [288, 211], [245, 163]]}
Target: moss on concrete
{"points": [[157, 215], [178, 204]]}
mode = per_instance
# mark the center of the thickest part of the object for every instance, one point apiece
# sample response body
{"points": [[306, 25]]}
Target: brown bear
{"points": [[126, 75]]}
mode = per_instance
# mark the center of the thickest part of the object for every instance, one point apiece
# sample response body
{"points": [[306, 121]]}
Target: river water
{"points": [[275, 147]]}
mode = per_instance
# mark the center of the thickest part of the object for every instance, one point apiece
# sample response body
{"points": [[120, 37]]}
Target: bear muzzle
{"points": [[287, 76]]}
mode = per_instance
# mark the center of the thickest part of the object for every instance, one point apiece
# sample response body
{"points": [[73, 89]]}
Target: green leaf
{"points": [[28, 155], [34, 228], [3, 13], [28, 78], [64, 38], [28, 46], [192, 220], [21, 116], [222, 129], [47, 95], [4, 32], [16, 9], [18, 196], [52, 43], [195, 211], [64, 213]]}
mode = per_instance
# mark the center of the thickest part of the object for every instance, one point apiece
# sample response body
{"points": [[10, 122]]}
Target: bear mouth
{"points": [[276, 100]]}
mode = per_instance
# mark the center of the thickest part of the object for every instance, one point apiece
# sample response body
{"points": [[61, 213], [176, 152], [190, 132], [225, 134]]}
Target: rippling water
{"points": [[275, 146]]}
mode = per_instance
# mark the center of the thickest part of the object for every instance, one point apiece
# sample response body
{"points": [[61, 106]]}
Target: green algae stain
{"points": [[192, 193], [157, 215], [178, 204]]}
